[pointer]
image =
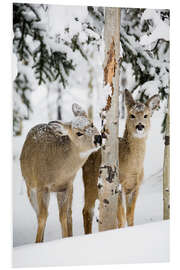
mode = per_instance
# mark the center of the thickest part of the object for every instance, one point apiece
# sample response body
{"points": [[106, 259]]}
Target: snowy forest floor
{"points": [[139, 244]]}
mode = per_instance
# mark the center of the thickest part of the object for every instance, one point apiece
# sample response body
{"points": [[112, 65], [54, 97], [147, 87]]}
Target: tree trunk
{"points": [[123, 83], [48, 103], [90, 94], [166, 169], [59, 113], [109, 169]]}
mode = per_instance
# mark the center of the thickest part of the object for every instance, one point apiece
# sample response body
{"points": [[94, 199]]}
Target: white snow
{"points": [[161, 28], [105, 92], [14, 66], [151, 88], [96, 209], [139, 244], [61, 17]]}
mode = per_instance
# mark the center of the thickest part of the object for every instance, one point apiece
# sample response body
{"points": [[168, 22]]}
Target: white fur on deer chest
{"points": [[86, 154]]}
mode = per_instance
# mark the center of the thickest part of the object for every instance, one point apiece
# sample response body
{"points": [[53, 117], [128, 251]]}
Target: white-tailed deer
{"points": [[51, 156], [131, 162]]}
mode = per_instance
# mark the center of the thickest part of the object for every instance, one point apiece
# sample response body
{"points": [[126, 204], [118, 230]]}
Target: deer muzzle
{"points": [[98, 140], [140, 126]]}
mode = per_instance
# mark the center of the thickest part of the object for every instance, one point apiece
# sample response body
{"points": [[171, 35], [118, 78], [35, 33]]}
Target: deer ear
{"points": [[60, 127], [129, 99], [78, 111], [66, 127], [153, 103]]}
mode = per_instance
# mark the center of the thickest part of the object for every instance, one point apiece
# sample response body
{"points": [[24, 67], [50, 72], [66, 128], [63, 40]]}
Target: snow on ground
{"points": [[139, 244]]}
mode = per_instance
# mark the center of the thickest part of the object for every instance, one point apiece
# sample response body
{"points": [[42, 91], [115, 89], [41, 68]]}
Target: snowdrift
{"points": [[139, 244]]}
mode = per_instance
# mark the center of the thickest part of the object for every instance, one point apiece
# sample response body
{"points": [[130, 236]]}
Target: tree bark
{"points": [[59, 113], [166, 169], [90, 94], [109, 169]]}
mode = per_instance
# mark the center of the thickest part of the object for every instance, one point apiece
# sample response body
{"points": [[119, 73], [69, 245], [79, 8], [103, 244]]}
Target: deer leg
{"points": [[90, 172], [32, 195], [39, 201], [120, 211], [69, 213], [64, 200], [90, 196], [88, 212], [131, 197], [43, 202]]}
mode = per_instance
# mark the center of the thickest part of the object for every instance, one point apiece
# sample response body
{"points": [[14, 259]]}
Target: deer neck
{"points": [[137, 146], [76, 157]]}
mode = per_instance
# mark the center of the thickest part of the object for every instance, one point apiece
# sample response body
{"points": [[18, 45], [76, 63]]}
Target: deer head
{"points": [[138, 118], [81, 131]]}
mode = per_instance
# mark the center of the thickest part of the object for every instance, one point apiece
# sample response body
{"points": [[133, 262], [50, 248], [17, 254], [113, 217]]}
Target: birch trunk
{"points": [[90, 94], [109, 169], [59, 113], [166, 169]]}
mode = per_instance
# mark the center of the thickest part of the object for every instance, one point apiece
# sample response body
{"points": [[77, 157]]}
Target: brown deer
{"points": [[51, 156], [131, 158]]}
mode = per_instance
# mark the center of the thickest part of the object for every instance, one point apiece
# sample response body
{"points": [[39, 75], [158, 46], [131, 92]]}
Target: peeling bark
{"points": [[110, 173], [109, 72], [106, 201], [109, 170]]}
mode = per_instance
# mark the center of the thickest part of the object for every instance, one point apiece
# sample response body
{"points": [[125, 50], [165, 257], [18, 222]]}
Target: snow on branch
{"points": [[161, 28]]}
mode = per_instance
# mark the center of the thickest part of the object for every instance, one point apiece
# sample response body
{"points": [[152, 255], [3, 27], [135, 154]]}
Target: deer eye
{"points": [[132, 116], [79, 134], [145, 116]]}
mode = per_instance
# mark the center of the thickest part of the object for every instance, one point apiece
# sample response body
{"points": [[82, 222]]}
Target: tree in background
{"points": [[21, 101], [166, 168], [145, 44], [96, 18], [38, 62], [74, 55], [43, 58]]}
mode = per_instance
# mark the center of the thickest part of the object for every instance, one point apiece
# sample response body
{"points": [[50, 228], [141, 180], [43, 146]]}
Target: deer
{"points": [[51, 156], [132, 148]]}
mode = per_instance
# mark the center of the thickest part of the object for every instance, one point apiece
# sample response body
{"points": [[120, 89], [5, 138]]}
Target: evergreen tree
{"points": [[22, 105], [148, 61], [50, 57]]}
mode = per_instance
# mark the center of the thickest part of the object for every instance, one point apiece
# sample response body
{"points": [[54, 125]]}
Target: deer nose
{"points": [[97, 139], [140, 126]]}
